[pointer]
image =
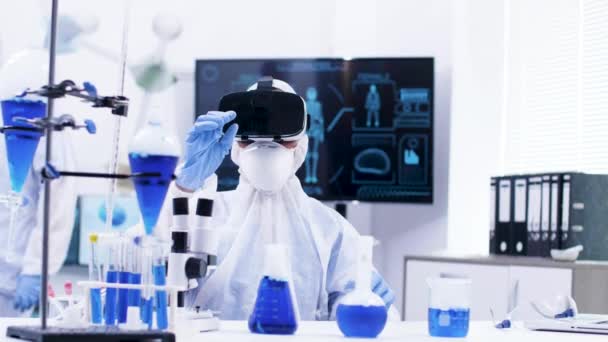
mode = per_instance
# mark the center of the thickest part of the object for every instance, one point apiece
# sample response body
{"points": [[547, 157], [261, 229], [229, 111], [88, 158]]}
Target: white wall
{"points": [[477, 105], [238, 28]]}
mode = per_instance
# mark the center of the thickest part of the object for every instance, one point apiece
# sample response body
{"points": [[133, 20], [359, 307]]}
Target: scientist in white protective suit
{"points": [[21, 252], [20, 259], [269, 206]]}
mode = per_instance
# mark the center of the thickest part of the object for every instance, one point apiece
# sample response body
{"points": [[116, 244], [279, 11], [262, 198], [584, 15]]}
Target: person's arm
{"points": [[62, 208]]}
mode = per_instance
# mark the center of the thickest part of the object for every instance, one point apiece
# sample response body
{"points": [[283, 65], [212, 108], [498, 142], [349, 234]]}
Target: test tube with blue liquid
{"points": [[160, 279], [147, 294], [449, 306], [95, 275], [276, 310], [124, 277], [135, 272], [112, 270], [362, 313]]}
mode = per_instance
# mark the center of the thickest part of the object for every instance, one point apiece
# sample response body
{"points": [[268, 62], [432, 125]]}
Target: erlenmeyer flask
{"points": [[276, 309]]}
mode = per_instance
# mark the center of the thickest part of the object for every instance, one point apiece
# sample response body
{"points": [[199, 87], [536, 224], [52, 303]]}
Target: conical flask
{"points": [[24, 70], [276, 309], [362, 313], [153, 150]]}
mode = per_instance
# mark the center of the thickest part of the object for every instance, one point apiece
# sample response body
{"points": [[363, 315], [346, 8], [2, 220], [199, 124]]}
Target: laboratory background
{"points": [[452, 153]]}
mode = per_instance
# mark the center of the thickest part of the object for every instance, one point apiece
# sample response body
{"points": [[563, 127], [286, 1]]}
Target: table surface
{"points": [[328, 331]]}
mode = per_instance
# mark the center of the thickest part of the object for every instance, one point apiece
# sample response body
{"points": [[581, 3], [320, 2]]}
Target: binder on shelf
{"points": [[587, 215], [554, 221], [545, 227], [534, 215], [505, 213], [519, 227], [493, 215], [565, 221]]}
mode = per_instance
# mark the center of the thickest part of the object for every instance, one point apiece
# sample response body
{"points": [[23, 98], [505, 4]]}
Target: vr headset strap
{"points": [[265, 83]]}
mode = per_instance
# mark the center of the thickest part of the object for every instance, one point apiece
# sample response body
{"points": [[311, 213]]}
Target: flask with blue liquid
{"points": [[276, 309], [362, 313], [25, 70], [154, 150], [449, 306]]}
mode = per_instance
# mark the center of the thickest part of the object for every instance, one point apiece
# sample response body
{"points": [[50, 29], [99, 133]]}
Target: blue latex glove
{"points": [[206, 147], [27, 292], [381, 288]]}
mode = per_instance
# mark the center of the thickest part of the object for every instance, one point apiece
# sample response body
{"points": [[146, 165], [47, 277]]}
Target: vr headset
{"points": [[267, 113]]}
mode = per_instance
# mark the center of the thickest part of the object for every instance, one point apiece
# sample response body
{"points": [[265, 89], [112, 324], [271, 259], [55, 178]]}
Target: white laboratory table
{"points": [[328, 331]]}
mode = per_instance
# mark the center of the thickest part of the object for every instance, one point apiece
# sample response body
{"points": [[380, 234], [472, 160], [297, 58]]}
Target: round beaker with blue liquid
{"points": [[362, 313], [449, 306]]}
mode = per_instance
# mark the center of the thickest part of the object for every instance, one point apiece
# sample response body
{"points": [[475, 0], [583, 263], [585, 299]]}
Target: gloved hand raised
{"points": [[27, 293], [206, 147], [381, 288]]}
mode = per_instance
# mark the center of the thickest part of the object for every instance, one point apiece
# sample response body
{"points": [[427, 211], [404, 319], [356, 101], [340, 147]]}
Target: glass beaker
{"points": [[276, 309], [449, 306]]}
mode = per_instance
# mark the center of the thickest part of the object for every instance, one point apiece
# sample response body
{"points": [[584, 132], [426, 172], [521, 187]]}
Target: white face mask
{"points": [[267, 165]]}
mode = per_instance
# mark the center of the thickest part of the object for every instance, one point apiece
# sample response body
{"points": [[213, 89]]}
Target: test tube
{"points": [[146, 306], [160, 279], [123, 278], [95, 275], [112, 267], [14, 203], [135, 272]]}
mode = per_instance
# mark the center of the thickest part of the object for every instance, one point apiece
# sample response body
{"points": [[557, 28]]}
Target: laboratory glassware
{"points": [[276, 309], [152, 151], [362, 313], [449, 306]]}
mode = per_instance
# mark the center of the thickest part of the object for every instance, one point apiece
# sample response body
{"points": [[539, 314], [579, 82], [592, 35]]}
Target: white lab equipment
{"points": [[558, 307]]}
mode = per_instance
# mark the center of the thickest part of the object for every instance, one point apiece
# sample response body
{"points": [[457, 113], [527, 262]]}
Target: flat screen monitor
{"points": [[371, 127]]}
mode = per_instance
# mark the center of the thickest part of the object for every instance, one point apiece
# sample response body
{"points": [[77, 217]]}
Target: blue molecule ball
{"points": [[119, 215]]}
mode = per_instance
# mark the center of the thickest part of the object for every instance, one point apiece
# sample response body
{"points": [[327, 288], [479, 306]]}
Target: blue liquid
{"points": [[21, 145], [146, 311], [161, 297], [449, 323], [151, 191], [123, 297], [110, 313], [361, 321], [96, 307], [274, 312], [134, 294]]}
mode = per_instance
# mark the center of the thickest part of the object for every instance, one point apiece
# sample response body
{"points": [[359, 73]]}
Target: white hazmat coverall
{"points": [[321, 243], [28, 240]]}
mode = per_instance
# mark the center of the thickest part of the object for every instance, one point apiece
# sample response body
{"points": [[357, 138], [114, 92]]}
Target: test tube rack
{"points": [[99, 333]]}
